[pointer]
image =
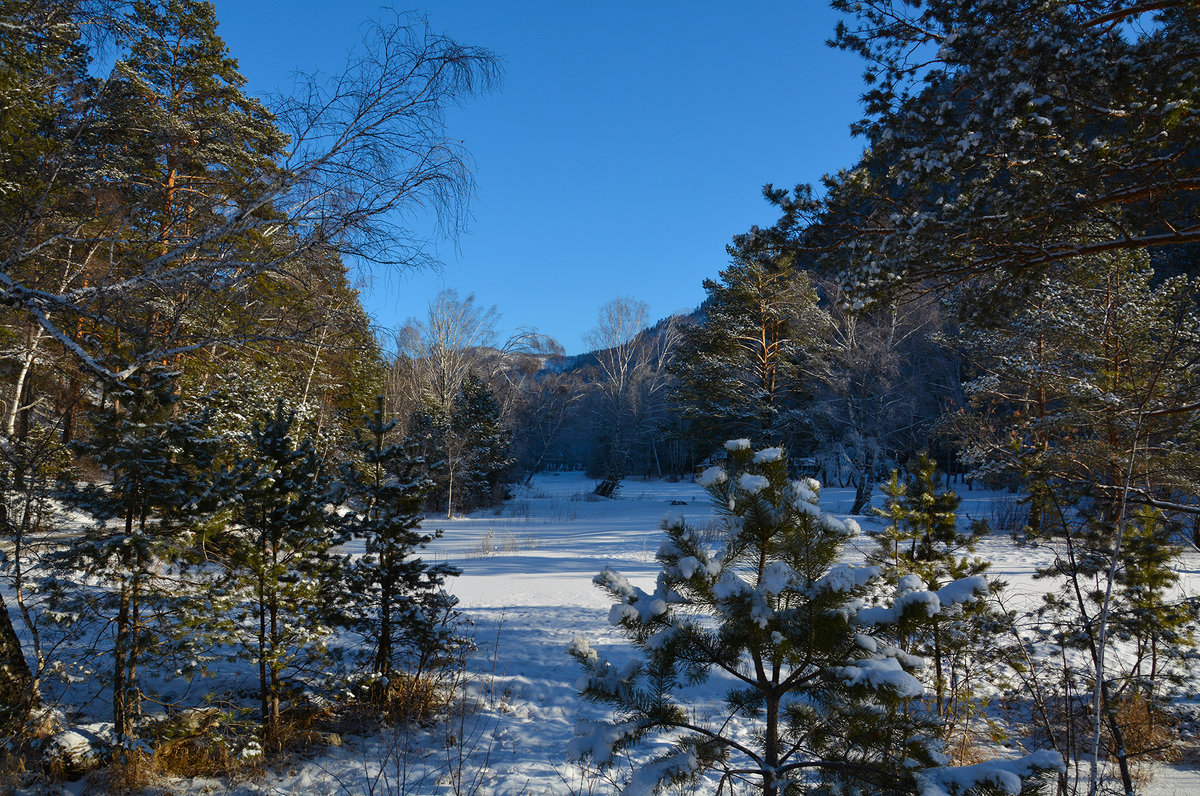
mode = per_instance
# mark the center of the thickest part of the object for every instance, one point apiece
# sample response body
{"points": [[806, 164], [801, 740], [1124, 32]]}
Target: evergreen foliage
{"points": [[922, 542], [820, 702], [1005, 136], [742, 368], [394, 598], [282, 576], [480, 428], [156, 465], [1083, 395], [30, 468], [466, 447]]}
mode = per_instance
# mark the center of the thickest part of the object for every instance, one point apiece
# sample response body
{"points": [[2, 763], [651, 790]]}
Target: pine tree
{"points": [[1033, 133], [1161, 626], [820, 703], [395, 599], [741, 369], [188, 145], [1089, 390], [923, 542], [145, 514], [282, 576]]}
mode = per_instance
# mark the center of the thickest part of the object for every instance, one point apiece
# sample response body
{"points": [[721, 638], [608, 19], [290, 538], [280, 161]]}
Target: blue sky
{"points": [[628, 142]]}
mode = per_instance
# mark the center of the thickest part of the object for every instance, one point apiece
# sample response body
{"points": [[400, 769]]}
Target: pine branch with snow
{"points": [[816, 694]]}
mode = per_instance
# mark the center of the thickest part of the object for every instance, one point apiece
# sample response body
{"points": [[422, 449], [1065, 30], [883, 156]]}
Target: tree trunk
{"points": [[10, 422], [264, 693], [16, 681], [383, 655], [866, 485], [120, 694]]}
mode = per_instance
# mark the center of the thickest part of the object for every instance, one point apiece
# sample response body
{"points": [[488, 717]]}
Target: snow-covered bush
{"points": [[813, 697]]}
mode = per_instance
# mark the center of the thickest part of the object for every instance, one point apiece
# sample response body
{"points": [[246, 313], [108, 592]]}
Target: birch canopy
{"points": [[138, 215]]}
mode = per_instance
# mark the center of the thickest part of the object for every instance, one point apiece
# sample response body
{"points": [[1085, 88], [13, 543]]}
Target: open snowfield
{"points": [[527, 586]]}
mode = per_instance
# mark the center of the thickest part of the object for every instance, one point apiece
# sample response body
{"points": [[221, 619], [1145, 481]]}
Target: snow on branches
{"points": [[828, 698]]}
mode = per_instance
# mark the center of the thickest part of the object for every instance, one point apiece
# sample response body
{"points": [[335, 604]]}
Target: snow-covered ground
{"points": [[527, 586]]}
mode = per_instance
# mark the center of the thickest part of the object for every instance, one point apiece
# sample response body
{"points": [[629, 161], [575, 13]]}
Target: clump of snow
{"points": [[803, 493], [635, 604], [729, 586], [963, 590], [833, 523], [251, 751], [712, 477], [768, 455], [737, 445], [662, 638], [596, 739], [608, 679], [1003, 775], [645, 779], [614, 582], [687, 566], [71, 748], [776, 577], [890, 614], [805, 507], [580, 647], [866, 642], [931, 603], [845, 577], [882, 673], [752, 484]]}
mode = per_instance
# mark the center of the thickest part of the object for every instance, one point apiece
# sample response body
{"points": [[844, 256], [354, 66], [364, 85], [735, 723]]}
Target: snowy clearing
{"points": [[527, 587]]}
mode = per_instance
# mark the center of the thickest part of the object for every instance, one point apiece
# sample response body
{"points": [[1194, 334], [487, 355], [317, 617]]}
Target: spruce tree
{"points": [[395, 599], [819, 701], [479, 424], [430, 432]]}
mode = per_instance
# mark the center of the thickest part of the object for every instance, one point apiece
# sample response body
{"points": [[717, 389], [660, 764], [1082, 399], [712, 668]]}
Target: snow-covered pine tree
{"points": [[1004, 136], [477, 421], [819, 702], [923, 541], [395, 599], [281, 576], [145, 511]]}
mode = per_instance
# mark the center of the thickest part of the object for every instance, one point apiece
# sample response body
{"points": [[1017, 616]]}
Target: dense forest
{"points": [[198, 415]]}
